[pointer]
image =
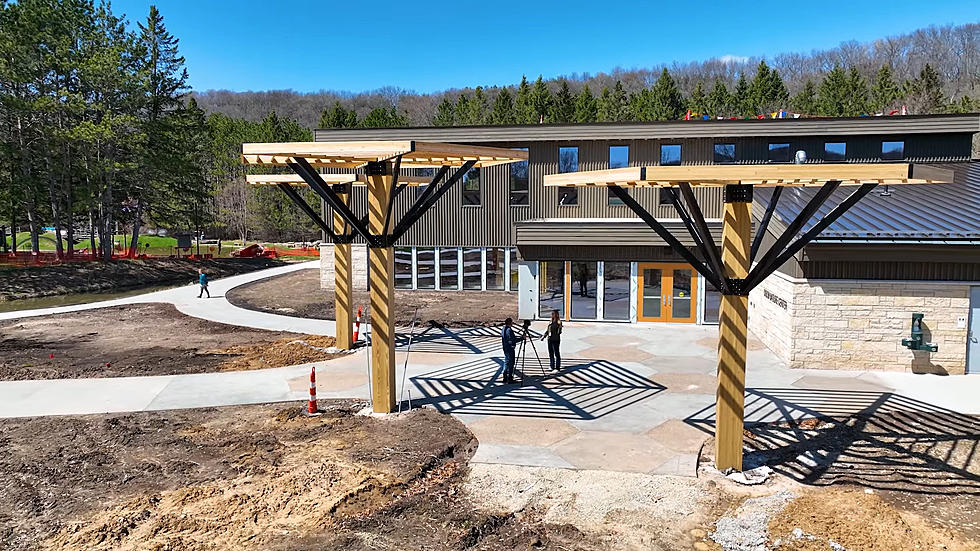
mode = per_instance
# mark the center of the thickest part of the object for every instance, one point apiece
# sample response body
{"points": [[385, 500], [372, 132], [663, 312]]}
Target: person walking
{"points": [[509, 343], [203, 279], [553, 334]]}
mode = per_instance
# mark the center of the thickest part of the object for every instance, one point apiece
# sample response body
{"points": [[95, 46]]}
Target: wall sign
{"points": [[778, 301]]}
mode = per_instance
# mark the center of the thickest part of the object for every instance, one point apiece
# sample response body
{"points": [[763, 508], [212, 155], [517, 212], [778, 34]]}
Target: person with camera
{"points": [[553, 334], [509, 343]]}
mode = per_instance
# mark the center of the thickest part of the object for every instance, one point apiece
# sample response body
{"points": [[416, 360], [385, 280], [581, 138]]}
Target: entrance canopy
{"points": [[410, 154]]}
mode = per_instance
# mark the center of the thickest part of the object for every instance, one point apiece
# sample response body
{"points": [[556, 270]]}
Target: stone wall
{"points": [[358, 261], [854, 324]]}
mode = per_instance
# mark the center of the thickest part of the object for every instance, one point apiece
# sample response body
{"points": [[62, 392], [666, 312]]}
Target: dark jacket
{"points": [[508, 339]]}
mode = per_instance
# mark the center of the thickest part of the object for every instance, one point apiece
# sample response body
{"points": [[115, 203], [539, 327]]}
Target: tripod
{"points": [[522, 353]]}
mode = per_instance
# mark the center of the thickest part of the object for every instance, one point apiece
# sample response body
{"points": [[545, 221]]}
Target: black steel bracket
{"points": [[764, 225], [738, 193], [311, 212], [736, 287]]}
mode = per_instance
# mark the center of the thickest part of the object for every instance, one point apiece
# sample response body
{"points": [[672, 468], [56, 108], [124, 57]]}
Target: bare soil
{"points": [[87, 277], [299, 294], [253, 477], [144, 339]]}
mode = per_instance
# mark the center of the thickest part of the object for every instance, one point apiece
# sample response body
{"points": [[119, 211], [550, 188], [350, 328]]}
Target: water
{"points": [[76, 298]]}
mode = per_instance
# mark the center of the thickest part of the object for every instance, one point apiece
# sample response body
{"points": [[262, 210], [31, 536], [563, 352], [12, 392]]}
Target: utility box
{"points": [[915, 340]]}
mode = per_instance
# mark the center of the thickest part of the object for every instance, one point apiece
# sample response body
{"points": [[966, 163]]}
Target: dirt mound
{"points": [[281, 352], [857, 521]]}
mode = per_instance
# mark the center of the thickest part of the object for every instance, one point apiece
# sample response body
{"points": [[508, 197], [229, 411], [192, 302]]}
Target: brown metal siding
{"points": [[897, 270]]}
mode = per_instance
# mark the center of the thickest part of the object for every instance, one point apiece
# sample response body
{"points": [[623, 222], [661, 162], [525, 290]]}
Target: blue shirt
{"points": [[508, 339], [204, 279]]}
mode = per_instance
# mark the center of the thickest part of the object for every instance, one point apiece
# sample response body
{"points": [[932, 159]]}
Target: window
{"points": [[513, 270], [518, 182], [779, 153], [496, 270], [472, 269], [712, 304], [724, 153], [892, 151], [666, 194], [616, 291], [449, 269], [425, 268], [834, 151], [568, 162], [471, 187], [429, 174], [670, 154], [403, 267], [619, 157], [583, 290], [551, 289]]}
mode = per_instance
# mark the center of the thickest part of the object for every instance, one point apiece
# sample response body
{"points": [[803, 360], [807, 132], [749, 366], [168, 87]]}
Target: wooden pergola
{"points": [[736, 270], [380, 163]]}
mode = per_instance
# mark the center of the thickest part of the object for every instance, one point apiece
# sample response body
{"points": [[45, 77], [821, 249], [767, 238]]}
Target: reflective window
{"points": [[584, 290], [779, 153], [427, 173], [724, 153], [712, 304], [551, 289], [619, 157], [403, 267], [670, 154], [892, 151], [518, 182], [471, 187], [568, 162], [834, 151], [449, 269], [616, 291], [472, 269], [425, 268], [514, 269], [496, 269]]}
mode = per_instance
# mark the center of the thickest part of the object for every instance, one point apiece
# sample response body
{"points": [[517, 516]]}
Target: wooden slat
{"points": [[357, 153], [355, 179]]}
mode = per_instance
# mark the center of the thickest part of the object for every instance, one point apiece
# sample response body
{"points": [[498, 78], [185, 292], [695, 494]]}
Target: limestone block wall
{"points": [[358, 266], [856, 324]]}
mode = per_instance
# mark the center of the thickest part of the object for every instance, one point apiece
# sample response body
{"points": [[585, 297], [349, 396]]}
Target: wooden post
{"points": [[343, 281], [382, 280], [733, 329]]}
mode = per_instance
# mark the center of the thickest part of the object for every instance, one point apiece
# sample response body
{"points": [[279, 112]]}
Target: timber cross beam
{"points": [[732, 271], [380, 164]]}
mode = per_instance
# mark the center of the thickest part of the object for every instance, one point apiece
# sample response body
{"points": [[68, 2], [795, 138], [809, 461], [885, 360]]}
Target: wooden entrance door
{"points": [[667, 292]]}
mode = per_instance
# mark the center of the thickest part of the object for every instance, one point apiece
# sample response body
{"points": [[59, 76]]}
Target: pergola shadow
{"points": [[879, 440], [583, 390], [439, 339]]}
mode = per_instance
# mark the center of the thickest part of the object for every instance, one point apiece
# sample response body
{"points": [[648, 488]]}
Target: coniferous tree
{"points": [[926, 92], [885, 91], [857, 97], [741, 100], [641, 106], [832, 100], [805, 101], [767, 91], [603, 104], [698, 102], [562, 105], [667, 102], [338, 117], [586, 108], [445, 113], [478, 108], [463, 110], [503, 109], [523, 104], [540, 101], [719, 100], [613, 106], [383, 117]]}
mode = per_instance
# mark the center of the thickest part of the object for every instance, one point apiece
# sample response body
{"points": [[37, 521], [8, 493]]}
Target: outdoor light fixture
{"points": [[800, 157], [915, 340]]}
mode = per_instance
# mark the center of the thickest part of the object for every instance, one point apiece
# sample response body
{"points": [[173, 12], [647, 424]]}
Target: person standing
{"points": [[203, 279], [553, 334], [509, 343]]}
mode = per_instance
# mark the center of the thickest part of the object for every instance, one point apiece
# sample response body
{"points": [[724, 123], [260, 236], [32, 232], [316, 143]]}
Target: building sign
{"points": [[778, 301]]}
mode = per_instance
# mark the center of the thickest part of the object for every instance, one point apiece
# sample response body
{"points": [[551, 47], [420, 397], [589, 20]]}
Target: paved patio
{"points": [[629, 397]]}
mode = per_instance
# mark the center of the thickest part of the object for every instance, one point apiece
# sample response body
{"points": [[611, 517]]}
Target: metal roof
{"points": [[918, 213], [843, 126]]}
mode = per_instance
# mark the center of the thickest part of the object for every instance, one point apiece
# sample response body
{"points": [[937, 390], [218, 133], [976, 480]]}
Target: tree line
{"points": [[98, 133]]}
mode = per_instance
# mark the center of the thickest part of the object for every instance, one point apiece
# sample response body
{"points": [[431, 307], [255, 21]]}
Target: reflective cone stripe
{"points": [[357, 323], [311, 407]]}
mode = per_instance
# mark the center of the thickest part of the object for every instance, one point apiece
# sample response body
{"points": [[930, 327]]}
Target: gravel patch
{"points": [[748, 528]]}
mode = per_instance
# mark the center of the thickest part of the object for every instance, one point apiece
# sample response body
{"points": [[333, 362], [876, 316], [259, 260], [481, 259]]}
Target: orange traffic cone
{"points": [[357, 322], [311, 407]]}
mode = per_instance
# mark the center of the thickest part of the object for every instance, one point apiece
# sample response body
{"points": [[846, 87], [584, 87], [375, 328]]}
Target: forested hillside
{"points": [[874, 77]]}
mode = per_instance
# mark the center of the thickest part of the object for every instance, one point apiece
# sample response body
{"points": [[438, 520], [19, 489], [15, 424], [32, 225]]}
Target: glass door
{"points": [[668, 292]]}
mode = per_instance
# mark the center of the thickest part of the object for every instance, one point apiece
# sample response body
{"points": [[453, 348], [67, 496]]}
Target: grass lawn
{"points": [[158, 245]]}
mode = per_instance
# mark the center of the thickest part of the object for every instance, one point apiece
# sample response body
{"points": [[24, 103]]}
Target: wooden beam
{"points": [[356, 154], [343, 282], [355, 179], [733, 336], [382, 278]]}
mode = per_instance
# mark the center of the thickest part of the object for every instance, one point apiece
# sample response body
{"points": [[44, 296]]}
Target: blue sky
{"points": [[429, 46]]}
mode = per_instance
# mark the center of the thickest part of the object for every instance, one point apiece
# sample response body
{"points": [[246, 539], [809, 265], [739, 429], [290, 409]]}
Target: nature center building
{"points": [[844, 301]]}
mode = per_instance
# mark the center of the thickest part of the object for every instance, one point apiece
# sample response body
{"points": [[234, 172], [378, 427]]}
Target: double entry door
{"points": [[668, 292]]}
